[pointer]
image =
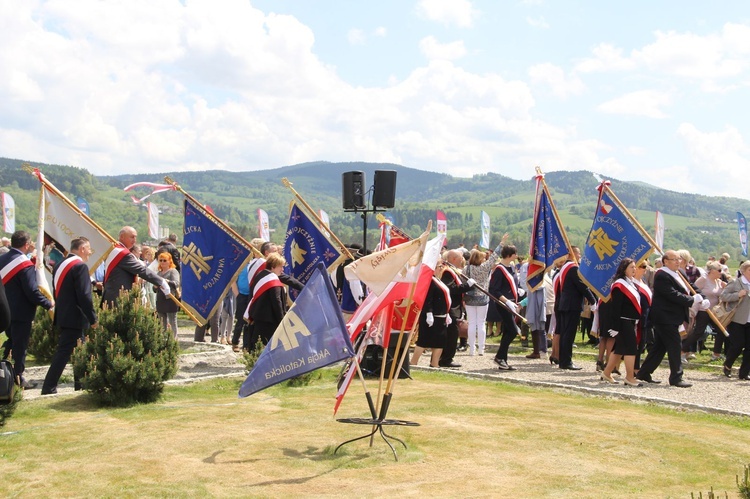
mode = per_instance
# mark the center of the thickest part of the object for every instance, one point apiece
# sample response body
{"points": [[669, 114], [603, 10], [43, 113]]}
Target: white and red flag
{"points": [[155, 189]]}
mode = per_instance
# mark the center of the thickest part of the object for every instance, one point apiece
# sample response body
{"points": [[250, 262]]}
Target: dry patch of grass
{"points": [[476, 439]]}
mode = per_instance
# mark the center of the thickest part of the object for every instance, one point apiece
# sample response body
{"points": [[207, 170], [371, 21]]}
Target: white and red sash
{"points": [[453, 275], [13, 267], [511, 281], [62, 272], [560, 277], [264, 284], [254, 267], [644, 290], [114, 258], [445, 290], [630, 291], [675, 277]]}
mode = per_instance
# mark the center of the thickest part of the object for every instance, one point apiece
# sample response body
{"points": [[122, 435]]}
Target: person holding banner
{"points": [[122, 268], [74, 312], [670, 308], [570, 291], [268, 303], [22, 291], [505, 287]]}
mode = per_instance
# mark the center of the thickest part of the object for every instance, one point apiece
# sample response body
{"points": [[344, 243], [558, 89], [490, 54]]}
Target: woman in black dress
{"points": [[432, 322], [626, 311]]}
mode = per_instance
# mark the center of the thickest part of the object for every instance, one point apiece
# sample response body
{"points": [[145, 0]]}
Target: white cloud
{"points": [[647, 103], [460, 13], [539, 22], [606, 58], [720, 161], [433, 49], [554, 77], [381, 31], [356, 36]]}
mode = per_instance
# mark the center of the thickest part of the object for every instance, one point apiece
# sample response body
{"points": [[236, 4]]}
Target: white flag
{"points": [[63, 222], [485, 242], [659, 228], [9, 213], [41, 272], [395, 264], [153, 220], [264, 229], [324, 217]]}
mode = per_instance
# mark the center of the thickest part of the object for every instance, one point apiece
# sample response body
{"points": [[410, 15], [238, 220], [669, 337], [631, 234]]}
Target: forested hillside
{"points": [[703, 224]]}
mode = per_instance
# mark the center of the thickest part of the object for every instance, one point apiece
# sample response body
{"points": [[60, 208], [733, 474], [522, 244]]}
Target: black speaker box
{"points": [[372, 360], [353, 188], [384, 191]]}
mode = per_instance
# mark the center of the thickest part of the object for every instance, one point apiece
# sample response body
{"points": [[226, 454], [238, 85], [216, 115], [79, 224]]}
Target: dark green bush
{"points": [[127, 359], [44, 336]]}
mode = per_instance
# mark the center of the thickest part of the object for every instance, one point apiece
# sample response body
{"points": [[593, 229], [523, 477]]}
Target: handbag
{"points": [[723, 313]]}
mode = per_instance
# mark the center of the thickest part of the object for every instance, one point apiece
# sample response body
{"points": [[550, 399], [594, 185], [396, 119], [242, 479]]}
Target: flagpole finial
{"points": [[285, 182], [538, 170], [169, 180]]}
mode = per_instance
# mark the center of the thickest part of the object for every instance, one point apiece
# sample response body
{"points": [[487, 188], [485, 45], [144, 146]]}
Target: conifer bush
{"points": [[129, 357], [44, 336]]}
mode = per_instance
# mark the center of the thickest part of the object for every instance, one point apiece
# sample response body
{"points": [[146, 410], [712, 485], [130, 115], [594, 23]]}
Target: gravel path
{"points": [[710, 392]]}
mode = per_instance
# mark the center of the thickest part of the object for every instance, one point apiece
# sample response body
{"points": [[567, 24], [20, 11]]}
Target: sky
{"points": [[656, 91]]}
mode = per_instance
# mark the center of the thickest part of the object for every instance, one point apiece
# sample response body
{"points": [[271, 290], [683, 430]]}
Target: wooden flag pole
{"points": [[655, 246], [344, 249], [554, 210]]}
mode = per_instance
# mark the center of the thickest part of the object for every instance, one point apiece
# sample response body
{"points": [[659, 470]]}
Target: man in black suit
{"points": [[19, 278], [74, 311], [122, 267], [570, 291], [670, 308], [457, 287]]}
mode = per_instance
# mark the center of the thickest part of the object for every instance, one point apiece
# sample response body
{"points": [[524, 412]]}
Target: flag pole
{"points": [[554, 209], [711, 315], [216, 219], [285, 181]]}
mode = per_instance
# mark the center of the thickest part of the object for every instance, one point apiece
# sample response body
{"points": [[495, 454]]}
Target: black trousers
{"points": [[239, 321], [567, 325], [19, 333], [702, 320], [446, 358], [739, 343], [666, 341], [65, 346], [510, 330]]}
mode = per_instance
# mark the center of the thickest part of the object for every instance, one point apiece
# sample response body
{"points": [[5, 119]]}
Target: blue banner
{"points": [[742, 227], [212, 258], [305, 246], [311, 335], [83, 205], [548, 240], [614, 236]]}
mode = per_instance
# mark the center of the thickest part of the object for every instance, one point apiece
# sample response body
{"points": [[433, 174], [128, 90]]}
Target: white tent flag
{"points": [[396, 264], [485, 241], [41, 272], [63, 223], [659, 228], [324, 218], [9, 213], [264, 229], [153, 220]]}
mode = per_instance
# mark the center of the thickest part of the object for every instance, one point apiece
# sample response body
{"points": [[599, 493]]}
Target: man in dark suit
{"points": [[670, 308], [570, 291], [19, 278], [122, 267], [74, 310], [457, 288]]}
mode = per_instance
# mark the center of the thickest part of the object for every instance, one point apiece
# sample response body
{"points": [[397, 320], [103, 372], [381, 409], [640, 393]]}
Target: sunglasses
{"points": [[163, 260]]}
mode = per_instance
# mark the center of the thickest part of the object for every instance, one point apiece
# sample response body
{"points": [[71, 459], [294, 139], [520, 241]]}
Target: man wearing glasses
{"points": [[670, 308]]}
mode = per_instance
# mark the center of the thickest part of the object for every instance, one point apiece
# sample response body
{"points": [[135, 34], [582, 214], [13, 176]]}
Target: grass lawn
{"points": [[476, 439]]}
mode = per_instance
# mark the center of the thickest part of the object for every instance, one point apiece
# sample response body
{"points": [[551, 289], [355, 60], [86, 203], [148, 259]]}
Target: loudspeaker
{"points": [[372, 360], [384, 191], [353, 188]]}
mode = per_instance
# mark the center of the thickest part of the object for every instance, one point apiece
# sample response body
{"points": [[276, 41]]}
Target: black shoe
{"points": [[503, 365], [649, 380], [462, 348], [600, 366], [727, 371], [553, 361], [571, 367], [452, 364], [681, 384], [50, 391], [616, 371], [27, 385], [743, 378]]}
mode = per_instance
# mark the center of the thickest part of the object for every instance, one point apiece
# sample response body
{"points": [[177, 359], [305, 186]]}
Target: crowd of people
{"points": [[652, 311]]}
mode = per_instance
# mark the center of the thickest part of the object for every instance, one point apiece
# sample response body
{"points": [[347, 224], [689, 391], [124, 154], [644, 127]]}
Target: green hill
{"points": [[703, 224]]}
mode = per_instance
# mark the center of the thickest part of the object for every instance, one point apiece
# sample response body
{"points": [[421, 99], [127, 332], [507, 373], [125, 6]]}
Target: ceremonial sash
{"points": [[453, 275], [113, 259], [445, 291], [264, 284], [14, 267], [629, 290], [254, 268], [62, 272], [509, 278], [560, 277], [674, 277], [644, 290]]}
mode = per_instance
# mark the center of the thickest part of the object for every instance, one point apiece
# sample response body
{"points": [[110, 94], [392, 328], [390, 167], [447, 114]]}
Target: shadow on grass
{"points": [[82, 403]]}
